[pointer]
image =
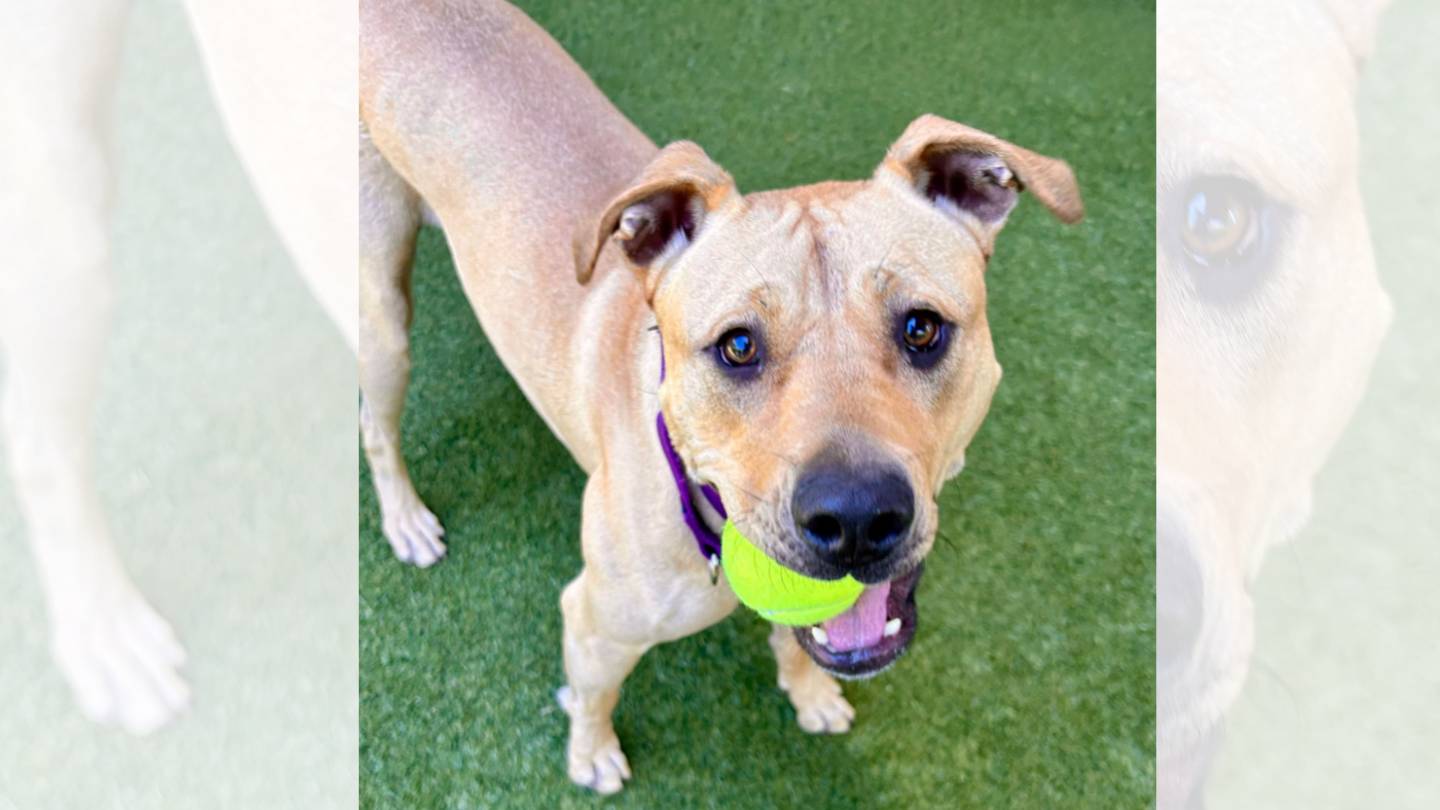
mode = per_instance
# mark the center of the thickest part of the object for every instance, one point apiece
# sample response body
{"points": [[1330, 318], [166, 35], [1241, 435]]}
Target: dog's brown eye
{"points": [[738, 348], [1221, 221], [923, 334], [922, 330], [1226, 233]]}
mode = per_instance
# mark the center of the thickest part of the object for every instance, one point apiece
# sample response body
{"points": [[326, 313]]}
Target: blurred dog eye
{"points": [[922, 333], [1224, 226], [738, 348], [1221, 221]]}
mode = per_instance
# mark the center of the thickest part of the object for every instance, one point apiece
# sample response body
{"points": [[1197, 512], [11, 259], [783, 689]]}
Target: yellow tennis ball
{"points": [[777, 593]]}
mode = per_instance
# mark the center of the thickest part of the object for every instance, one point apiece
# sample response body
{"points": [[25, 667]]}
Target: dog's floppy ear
{"points": [[976, 177], [660, 212]]}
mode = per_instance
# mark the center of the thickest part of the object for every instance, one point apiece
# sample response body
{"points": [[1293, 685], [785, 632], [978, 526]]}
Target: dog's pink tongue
{"points": [[863, 624]]}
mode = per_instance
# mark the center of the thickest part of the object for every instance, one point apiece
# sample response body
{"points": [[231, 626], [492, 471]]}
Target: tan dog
{"points": [[1269, 314], [771, 308]]}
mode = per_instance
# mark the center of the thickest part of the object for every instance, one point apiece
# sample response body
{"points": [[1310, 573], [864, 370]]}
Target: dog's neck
{"points": [[706, 539]]}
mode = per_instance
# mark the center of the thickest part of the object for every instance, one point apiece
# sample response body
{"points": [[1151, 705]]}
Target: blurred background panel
{"points": [[225, 457], [1343, 706], [1297, 445]]}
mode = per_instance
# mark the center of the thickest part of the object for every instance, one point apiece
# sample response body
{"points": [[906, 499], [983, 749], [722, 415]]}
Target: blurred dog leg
{"points": [[288, 95], [57, 64], [284, 79]]}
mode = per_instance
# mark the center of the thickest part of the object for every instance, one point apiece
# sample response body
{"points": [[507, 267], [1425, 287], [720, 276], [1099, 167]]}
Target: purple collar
{"points": [[705, 538]]}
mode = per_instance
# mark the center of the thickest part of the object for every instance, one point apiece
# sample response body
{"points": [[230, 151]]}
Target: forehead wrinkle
{"points": [[950, 300], [897, 278], [758, 271], [819, 218], [876, 264], [762, 292], [703, 325], [880, 279]]}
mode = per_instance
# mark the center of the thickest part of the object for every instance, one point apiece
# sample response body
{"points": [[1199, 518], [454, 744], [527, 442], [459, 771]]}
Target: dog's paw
{"points": [[120, 658], [414, 532], [820, 707], [603, 768], [595, 760]]}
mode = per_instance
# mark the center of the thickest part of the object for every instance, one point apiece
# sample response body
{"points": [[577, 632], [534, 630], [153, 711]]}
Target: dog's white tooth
{"points": [[892, 627], [819, 635]]}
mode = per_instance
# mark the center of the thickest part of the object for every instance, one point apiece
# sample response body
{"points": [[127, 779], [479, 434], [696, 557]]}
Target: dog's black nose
{"points": [[853, 515]]}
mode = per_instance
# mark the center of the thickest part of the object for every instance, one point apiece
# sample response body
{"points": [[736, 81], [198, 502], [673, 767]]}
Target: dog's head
{"points": [[1269, 314], [827, 350]]}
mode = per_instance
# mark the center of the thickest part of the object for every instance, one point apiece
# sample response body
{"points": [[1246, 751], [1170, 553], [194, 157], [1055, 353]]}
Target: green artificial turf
{"points": [[1031, 682]]}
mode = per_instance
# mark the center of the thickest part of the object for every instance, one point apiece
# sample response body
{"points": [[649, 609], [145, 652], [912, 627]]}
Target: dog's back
{"points": [[513, 147], [535, 132]]}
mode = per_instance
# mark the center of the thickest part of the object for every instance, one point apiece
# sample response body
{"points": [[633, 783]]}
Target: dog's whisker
{"points": [[881, 268], [794, 465], [758, 499], [1264, 666], [765, 282]]}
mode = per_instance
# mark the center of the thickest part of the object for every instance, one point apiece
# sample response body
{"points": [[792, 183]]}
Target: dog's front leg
{"points": [[595, 666], [820, 707], [632, 594], [57, 64]]}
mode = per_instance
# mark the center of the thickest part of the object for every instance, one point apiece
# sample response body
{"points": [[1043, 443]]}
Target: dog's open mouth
{"points": [[868, 637]]}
